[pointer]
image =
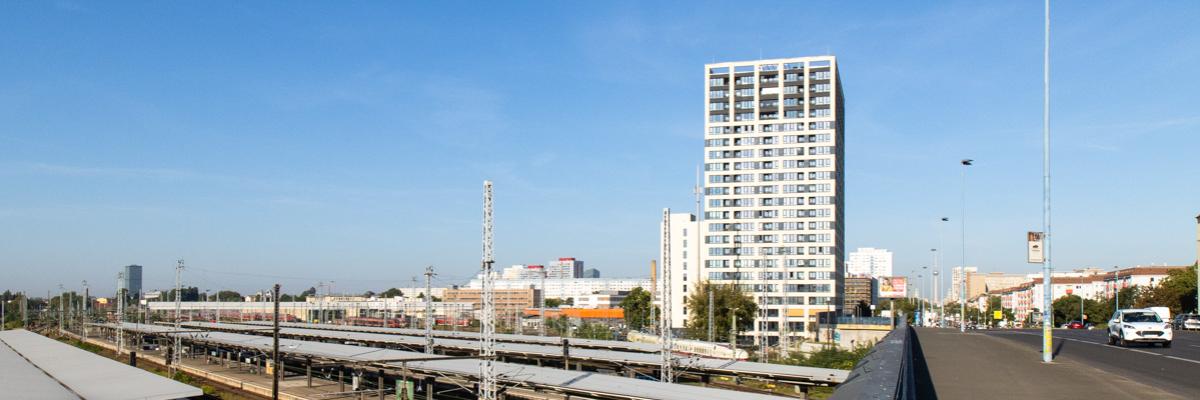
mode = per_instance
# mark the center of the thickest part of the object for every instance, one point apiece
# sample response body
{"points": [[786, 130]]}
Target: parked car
{"points": [[1138, 325], [1075, 325], [1186, 321]]}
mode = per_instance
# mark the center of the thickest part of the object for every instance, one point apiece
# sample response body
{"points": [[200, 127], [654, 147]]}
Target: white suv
{"points": [[1138, 326]]}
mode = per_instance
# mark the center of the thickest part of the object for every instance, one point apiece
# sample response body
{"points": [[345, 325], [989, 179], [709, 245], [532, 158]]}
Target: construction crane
{"points": [[487, 382]]}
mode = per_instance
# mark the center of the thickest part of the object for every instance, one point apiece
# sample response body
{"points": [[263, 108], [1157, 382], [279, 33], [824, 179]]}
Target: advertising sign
{"points": [[893, 287], [1036, 256]]}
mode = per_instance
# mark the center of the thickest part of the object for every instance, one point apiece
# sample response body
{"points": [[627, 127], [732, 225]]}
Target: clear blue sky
{"points": [[298, 141]]}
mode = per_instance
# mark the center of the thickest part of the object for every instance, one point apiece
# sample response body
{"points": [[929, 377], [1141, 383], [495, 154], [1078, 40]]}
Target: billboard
{"points": [[893, 287], [1034, 247]]}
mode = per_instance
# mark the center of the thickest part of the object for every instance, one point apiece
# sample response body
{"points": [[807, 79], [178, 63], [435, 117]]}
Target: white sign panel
{"points": [[1036, 255]]}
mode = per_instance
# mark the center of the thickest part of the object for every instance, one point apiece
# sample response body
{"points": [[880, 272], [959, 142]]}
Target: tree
{"points": [[229, 295], [1066, 309], [1177, 291], [591, 330], [909, 308], [190, 293], [368, 294], [553, 302], [393, 292], [312, 291], [637, 309], [726, 298]]}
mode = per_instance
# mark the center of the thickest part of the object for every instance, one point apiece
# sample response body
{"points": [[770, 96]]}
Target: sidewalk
{"points": [[976, 366]]}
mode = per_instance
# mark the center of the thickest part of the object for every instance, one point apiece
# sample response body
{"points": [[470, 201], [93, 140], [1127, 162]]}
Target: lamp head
{"points": [[967, 161]]}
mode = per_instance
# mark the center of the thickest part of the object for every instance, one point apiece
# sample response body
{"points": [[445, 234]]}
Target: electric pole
{"points": [[178, 347], [542, 306], [83, 325], [1047, 266], [428, 310], [120, 313], [275, 370], [668, 375], [711, 305], [487, 383], [62, 300], [785, 334]]}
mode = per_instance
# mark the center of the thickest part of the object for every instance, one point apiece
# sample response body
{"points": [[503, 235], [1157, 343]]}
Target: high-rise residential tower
{"points": [[773, 188], [133, 281], [868, 261]]}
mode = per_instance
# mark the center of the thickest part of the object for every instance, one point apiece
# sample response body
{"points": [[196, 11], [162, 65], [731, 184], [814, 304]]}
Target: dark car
{"points": [[1075, 325]]}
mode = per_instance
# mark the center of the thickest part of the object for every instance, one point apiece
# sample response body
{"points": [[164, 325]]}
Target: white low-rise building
{"points": [[601, 300], [558, 288]]}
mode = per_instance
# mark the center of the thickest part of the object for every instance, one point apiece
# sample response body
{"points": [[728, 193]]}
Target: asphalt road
{"points": [[1175, 370]]}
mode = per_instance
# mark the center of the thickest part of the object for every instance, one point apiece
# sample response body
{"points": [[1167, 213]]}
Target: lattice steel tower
{"points": [[487, 382], [664, 331]]}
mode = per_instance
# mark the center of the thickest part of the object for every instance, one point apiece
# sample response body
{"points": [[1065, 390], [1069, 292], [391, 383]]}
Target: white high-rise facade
{"points": [[867, 261], [684, 265], [773, 188]]}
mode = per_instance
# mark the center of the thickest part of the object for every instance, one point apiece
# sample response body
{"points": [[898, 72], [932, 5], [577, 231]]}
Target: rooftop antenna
{"points": [[487, 384], [664, 331]]}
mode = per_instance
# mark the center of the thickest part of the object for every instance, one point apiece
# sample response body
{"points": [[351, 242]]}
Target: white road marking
{"points": [[1183, 359], [1143, 351]]}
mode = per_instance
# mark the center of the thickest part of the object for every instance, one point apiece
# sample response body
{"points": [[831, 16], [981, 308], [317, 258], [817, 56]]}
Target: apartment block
{"points": [[773, 221], [684, 265], [868, 261]]}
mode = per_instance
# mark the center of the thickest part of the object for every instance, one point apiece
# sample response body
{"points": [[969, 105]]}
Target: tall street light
{"points": [[938, 259], [1047, 267], [962, 277]]}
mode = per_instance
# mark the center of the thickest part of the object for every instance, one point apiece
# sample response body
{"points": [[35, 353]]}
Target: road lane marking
{"points": [[1143, 351], [1183, 359]]}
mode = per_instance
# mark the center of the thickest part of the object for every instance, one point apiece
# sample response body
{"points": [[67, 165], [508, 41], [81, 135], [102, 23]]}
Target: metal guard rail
{"points": [[886, 372]]}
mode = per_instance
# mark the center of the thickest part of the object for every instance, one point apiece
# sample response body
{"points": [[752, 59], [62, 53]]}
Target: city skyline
{"points": [[312, 152]]}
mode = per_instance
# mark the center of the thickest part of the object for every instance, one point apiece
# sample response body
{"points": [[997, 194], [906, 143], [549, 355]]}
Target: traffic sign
{"points": [[998, 314]]}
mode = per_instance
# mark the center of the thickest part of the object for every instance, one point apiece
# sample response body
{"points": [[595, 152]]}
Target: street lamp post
{"points": [[938, 260], [962, 277]]}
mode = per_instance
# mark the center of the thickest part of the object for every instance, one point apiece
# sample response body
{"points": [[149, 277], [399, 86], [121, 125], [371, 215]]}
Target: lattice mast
{"points": [[178, 346], [664, 331], [487, 382], [428, 310], [120, 313]]}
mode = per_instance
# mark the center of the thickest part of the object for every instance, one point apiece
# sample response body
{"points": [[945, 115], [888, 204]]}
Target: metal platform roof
{"points": [[824, 376], [512, 374], [56, 370], [500, 337]]}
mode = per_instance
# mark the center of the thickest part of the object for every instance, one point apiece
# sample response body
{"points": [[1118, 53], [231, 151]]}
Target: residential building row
{"points": [[1026, 298]]}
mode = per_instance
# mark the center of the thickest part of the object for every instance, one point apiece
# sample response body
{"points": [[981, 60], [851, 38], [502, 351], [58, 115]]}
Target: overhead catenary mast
{"points": [[428, 310], [487, 382], [178, 346], [120, 313], [664, 330]]}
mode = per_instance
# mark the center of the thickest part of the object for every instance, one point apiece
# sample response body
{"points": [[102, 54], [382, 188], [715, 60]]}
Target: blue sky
{"points": [[298, 142]]}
